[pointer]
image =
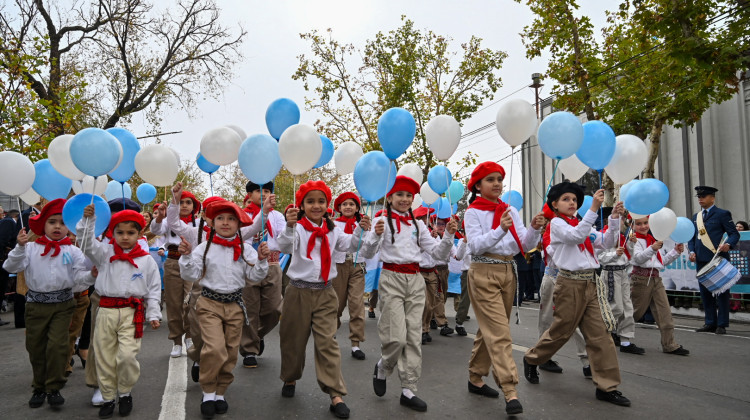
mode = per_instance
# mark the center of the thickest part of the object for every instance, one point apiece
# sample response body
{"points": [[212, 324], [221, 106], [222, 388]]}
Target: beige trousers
{"points": [[434, 306], [546, 311], [221, 328], [349, 285], [649, 292], [263, 302], [622, 307], [116, 348], [194, 351], [175, 291]]}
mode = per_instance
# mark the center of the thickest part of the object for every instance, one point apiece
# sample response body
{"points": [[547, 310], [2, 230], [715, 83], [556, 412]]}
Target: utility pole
{"points": [[536, 79]]}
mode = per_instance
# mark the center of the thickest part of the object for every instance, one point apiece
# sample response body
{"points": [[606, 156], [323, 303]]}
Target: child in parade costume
{"points": [[577, 301], [648, 289], [54, 269], [310, 303], [462, 313], [495, 234], [221, 264], [441, 269], [402, 291], [433, 306]]}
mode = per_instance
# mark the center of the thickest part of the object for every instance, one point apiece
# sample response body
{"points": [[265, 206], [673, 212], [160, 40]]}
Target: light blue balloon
{"points": [[327, 153], [396, 130], [115, 190], [625, 189], [73, 212], [49, 183], [130, 147], [455, 192], [94, 151], [560, 135], [204, 165], [439, 179], [647, 196], [280, 115], [374, 175], [684, 231], [444, 210], [513, 198], [145, 193], [587, 199], [259, 158], [455, 208], [598, 145]]}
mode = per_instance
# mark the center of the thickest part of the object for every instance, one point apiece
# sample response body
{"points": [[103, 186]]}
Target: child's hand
{"points": [[618, 211], [185, 248], [597, 201], [269, 203], [380, 227], [155, 324], [538, 221], [620, 251], [161, 212], [177, 192], [452, 226], [633, 239], [365, 223], [291, 216], [465, 241], [94, 272], [160, 252], [22, 238], [89, 211], [657, 245], [434, 233], [263, 251], [507, 220], [679, 248]]}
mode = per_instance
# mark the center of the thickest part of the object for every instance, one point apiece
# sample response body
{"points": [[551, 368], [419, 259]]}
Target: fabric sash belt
{"points": [[235, 296], [315, 285], [55, 296], [492, 259], [585, 275], [412, 268], [645, 272], [132, 302], [274, 257]]}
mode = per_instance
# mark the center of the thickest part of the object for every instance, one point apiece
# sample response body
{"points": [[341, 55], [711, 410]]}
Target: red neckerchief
{"points": [[587, 245], [399, 218], [188, 219], [50, 244], [546, 239], [484, 204], [235, 243], [350, 223], [130, 257], [253, 210], [325, 248], [622, 240], [650, 241], [207, 229]]}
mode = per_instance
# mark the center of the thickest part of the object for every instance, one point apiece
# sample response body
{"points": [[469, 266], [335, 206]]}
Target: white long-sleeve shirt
{"points": [[405, 250], [223, 273], [483, 239], [566, 238], [645, 256], [339, 257], [462, 253], [47, 273], [165, 229]]}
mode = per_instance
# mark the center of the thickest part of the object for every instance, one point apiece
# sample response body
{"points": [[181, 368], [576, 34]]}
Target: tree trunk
{"points": [[653, 151], [609, 190]]}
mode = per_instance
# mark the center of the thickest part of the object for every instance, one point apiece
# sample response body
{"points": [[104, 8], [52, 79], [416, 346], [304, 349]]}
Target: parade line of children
{"points": [[223, 288]]}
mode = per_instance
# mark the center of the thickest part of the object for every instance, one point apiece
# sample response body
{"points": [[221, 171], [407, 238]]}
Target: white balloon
{"points": [[516, 121], [573, 168], [413, 171], [30, 197], [428, 196], [636, 216], [89, 185], [221, 146], [176, 156], [156, 164], [299, 148], [17, 173], [237, 129], [59, 157], [662, 223], [346, 157], [443, 134], [629, 159], [417, 202]]}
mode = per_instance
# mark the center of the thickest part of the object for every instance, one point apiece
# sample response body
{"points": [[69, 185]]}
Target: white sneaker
{"points": [[188, 343], [97, 400], [176, 351]]}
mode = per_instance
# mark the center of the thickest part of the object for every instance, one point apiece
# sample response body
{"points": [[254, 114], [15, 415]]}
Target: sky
{"points": [[272, 45]]}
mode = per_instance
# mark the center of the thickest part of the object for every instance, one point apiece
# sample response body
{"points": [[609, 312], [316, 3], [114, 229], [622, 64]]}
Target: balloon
{"points": [[115, 190], [280, 115], [156, 165], [220, 145], [417, 202], [439, 179], [374, 175], [205, 165], [516, 121], [346, 156], [428, 196], [636, 216], [443, 135], [662, 223], [95, 152], [573, 168], [49, 183], [629, 159], [16, 173], [326, 153], [130, 148], [513, 198], [625, 189], [587, 199], [396, 130], [647, 196], [413, 171], [240, 132], [259, 158], [683, 231], [443, 209], [91, 185], [300, 148], [59, 156], [73, 212], [30, 197], [598, 145], [560, 135], [176, 156], [455, 192], [145, 193]]}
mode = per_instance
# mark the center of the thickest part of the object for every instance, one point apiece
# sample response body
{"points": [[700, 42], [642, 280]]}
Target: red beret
{"points": [[218, 207], [212, 199], [346, 196], [37, 222], [404, 183], [196, 203], [422, 212], [126, 216], [482, 170], [379, 213], [245, 199], [548, 213], [312, 186], [156, 205]]}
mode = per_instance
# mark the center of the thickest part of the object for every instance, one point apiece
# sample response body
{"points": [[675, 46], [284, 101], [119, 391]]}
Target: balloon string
{"points": [[448, 191], [387, 181], [601, 210], [549, 185], [20, 218], [122, 185], [262, 225], [86, 225], [361, 231], [211, 182]]}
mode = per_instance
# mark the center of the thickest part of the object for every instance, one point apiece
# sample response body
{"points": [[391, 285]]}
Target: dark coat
{"points": [[717, 222]]}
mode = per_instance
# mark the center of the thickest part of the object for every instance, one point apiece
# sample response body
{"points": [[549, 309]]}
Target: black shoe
{"points": [[4, 322], [460, 330], [587, 372], [433, 324], [706, 328], [446, 330], [484, 390], [426, 338], [616, 339], [530, 373], [195, 372], [288, 390], [371, 314], [415, 403], [221, 406], [54, 399], [37, 398], [513, 407], [614, 397], [261, 347], [720, 330], [468, 317], [249, 361], [358, 354], [72, 362], [378, 385], [632, 349], [208, 409], [107, 410], [680, 351], [551, 366], [340, 410], [125, 405]]}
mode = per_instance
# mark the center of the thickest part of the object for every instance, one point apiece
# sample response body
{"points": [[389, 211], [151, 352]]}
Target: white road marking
{"points": [[175, 391]]}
